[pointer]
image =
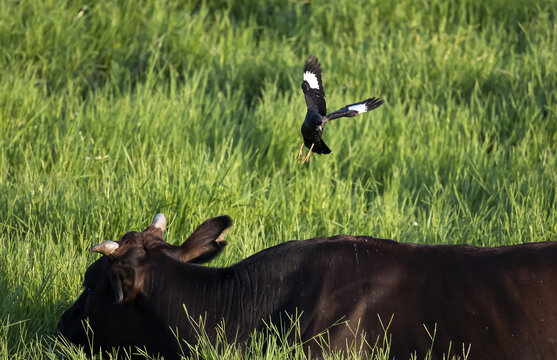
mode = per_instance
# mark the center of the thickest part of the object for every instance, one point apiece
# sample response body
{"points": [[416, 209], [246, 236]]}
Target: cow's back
{"points": [[499, 301]]}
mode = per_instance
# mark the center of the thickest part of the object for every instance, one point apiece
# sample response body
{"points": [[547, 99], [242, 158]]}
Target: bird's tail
{"points": [[321, 148]]}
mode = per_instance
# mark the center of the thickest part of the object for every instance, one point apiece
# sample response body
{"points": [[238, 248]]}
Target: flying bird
{"points": [[316, 116]]}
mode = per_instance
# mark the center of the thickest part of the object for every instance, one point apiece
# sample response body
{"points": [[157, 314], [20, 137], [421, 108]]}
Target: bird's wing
{"points": [[355, 109], [313, 86]]}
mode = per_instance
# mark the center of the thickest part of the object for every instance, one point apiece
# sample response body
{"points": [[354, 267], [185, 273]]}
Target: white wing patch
{"points": [[311, 79], [360, 108]]}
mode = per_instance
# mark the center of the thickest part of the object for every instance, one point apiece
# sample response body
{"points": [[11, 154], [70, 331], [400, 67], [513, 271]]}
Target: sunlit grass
{"points": [[111, 112]]}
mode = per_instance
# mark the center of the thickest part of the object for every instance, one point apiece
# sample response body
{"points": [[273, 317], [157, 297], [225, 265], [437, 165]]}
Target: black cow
{"points": [[496, 303]]}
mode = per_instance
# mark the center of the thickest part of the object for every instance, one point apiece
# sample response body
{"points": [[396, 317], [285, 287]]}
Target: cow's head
{"points": [[110, 311]]}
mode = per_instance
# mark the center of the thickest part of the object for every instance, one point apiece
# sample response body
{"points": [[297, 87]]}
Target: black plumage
{"points": [[316, 116]]}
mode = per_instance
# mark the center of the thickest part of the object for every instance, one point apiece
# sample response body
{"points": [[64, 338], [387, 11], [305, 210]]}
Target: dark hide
{"points": [[499, 301]]}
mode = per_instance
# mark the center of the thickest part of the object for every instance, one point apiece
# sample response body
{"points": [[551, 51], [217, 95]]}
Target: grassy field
{"points": [[113, 111]]}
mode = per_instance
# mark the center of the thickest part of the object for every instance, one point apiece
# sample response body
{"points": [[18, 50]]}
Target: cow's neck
{"points": [[238, 295]]}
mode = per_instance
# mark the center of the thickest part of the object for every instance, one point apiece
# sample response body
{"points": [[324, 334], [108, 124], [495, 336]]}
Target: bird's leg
{"points": [[300, 153], [308, 154]]}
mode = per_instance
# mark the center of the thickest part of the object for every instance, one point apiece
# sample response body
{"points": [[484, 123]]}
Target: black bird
{"points": [[316, 116]]}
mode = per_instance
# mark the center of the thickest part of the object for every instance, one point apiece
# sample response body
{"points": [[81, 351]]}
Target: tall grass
{"points": [[113, 111]]}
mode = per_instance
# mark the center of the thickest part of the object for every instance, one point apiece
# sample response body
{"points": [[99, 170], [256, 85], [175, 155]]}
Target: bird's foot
{"points": [[306, 158], [300, 153]]}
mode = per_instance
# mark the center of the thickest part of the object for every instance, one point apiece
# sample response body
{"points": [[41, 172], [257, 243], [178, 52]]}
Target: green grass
{"points": [[111, 112]]}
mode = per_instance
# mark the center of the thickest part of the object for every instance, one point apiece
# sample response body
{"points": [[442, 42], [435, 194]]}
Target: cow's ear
{"points": [[207, 241], [123, 283]]}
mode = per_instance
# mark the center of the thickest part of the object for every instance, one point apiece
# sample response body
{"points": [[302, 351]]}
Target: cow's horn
{"points": [[105, 248], [159, 222]]}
